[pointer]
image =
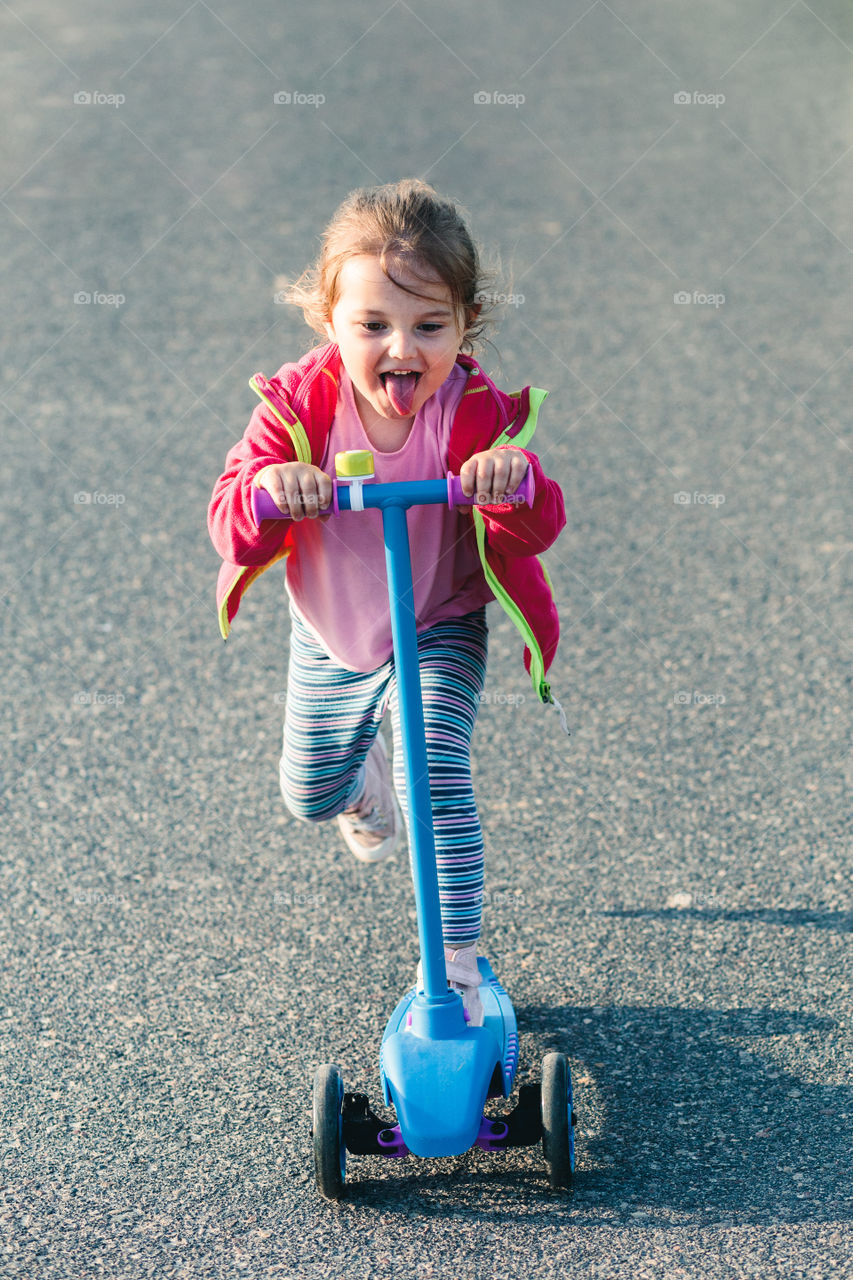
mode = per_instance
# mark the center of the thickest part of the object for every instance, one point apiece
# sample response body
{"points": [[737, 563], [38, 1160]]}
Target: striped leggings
{"points": [[333, 715]]}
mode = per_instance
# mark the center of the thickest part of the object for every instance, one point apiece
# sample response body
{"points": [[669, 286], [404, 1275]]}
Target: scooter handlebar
{"points": [[417, 493]]}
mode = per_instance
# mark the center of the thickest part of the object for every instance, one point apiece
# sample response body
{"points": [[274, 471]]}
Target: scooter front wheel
{"points": [[558, 1140], [330, 1154]]}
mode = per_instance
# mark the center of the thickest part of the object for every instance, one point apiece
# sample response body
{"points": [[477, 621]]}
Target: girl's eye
{"points": [[376, 326]]}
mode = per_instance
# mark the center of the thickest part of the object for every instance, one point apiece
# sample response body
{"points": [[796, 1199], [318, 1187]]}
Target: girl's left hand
{"points": [[492, 474]]}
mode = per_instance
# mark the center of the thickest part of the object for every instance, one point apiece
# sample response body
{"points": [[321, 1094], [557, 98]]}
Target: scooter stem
{"points": [[403, 630]]}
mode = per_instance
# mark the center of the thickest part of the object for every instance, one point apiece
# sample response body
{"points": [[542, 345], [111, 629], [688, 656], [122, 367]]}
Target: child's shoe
{"points": [[371, 827], [463, 976]]}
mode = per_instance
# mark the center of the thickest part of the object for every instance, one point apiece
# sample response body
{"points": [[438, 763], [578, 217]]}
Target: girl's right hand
{"points": [[297, 488]]}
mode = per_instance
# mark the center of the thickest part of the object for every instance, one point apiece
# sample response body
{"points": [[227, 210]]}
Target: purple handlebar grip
{"points": [[264, 506], [524, 493]]}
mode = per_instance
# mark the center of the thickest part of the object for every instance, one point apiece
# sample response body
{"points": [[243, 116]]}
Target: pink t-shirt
{"points": [[336, 572]]}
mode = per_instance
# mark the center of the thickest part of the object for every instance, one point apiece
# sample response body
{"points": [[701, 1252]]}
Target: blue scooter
{"points": [[437, 1072]]}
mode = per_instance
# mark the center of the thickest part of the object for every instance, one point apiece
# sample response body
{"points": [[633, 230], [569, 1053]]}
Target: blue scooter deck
{"points": [[437, 1118]]}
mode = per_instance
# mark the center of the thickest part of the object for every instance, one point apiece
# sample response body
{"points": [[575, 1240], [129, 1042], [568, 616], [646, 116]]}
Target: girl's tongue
{"points": [[400, 389]]}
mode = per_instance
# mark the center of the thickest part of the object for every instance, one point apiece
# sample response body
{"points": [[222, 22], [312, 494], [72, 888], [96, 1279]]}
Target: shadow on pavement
{"points": [[842, 921]]}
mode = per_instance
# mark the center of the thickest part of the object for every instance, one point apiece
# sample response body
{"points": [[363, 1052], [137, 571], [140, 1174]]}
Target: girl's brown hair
{"points": [[408, 226]]}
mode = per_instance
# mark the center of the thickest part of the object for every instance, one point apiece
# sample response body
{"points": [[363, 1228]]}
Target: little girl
{"points": [[396, 292]]}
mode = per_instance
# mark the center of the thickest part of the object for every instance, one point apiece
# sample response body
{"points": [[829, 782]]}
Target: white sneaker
{"points": [[463, 976], [371, 827]]}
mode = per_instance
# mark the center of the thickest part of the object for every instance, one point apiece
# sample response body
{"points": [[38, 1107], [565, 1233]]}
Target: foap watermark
{"points": [[97, 498], [698, 299], [288, 98], [93, 898], [687, 899], [696, 698], [98, 698], [319, 698], [94, 98], [500, 299], [694, 499], [502, 699], [500, 897], [496, 98], [696, 98], [84, 299], [299, 899]]}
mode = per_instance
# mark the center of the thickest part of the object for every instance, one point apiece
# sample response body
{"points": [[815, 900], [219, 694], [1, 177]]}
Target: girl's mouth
{"points": [[399, 386]]}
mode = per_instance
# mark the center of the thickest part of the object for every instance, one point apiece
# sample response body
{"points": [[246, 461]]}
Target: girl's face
{"points": [[397, 347]]}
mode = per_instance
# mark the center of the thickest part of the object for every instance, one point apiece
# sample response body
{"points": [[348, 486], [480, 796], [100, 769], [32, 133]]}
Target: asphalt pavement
{"points": [[669, 896]]}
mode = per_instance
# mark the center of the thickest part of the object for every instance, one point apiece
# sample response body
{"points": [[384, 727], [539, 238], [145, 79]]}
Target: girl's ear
{"points": [[330, 330]]}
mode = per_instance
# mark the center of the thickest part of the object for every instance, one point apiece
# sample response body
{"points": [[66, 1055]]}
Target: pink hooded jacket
{"points": [[293, 422]]}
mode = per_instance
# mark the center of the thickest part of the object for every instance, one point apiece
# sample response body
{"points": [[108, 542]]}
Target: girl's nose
{"points": [[400, 345]]}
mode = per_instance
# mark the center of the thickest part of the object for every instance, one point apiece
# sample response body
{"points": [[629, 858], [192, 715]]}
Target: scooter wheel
{"points": [[558, 1140], [330, 1154]]}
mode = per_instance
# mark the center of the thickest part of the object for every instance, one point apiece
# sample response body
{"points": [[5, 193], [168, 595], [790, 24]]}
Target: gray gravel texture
{"points": [[676, 915]]}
